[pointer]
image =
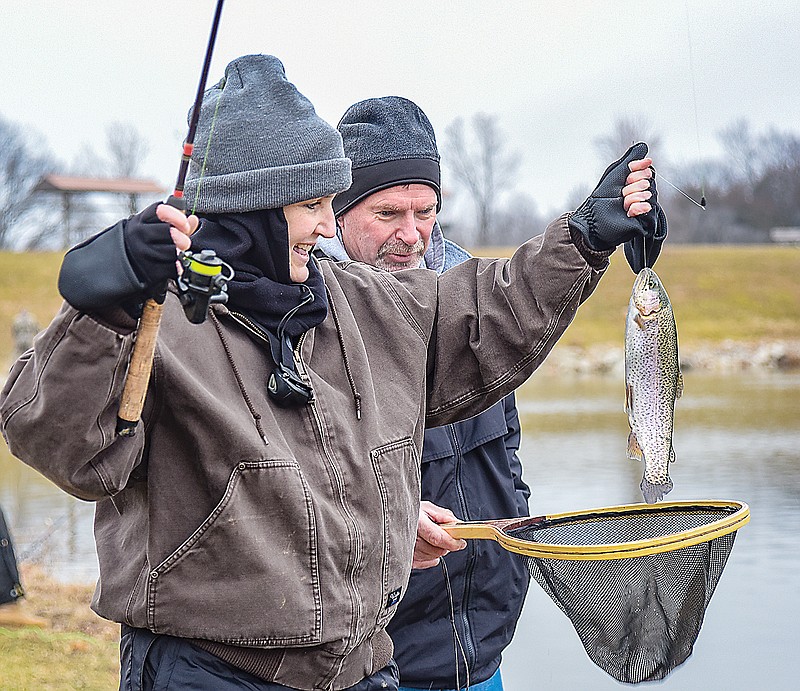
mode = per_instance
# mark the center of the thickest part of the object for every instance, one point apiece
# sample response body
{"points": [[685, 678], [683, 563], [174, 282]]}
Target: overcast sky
{"points": [[557, 74]]}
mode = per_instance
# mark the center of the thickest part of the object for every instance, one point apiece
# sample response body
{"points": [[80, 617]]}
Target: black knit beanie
{"points": [[260, 144], [390, 142]]}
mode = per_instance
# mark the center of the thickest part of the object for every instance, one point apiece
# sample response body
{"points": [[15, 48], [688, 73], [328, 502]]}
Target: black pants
{"points": [[151, 662], [10, 588]]}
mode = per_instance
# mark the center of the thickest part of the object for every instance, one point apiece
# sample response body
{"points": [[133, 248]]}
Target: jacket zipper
{"points": [[255, 329], [356, 551], [464, 609], [251, 326], [350, 519]]}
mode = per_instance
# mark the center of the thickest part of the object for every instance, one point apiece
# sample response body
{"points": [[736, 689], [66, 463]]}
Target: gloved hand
{"points": [[641, 251], [123, 265], [604, 224], [151, 251]]}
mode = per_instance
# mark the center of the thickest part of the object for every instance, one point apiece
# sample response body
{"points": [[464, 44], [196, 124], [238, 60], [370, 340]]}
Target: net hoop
{"points": [[737, 516]]}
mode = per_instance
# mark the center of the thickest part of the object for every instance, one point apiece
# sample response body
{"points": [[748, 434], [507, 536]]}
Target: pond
{"points": [[736, 437]]}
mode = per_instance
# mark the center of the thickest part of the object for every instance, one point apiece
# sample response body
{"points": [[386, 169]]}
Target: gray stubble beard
{"points": [[399, 247]]}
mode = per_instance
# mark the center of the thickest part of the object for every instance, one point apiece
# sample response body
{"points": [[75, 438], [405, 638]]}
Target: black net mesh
{"points": [[637, 617]]}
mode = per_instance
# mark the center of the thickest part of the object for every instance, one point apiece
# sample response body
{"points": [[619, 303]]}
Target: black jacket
{"points": [[470, 467], [10, 589]]}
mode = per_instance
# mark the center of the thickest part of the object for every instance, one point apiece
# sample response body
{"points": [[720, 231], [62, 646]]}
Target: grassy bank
{"points": [[77, 649], [740, 293], [27, 281]]}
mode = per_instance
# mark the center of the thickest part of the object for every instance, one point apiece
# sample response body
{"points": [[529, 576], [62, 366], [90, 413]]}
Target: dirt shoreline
{"points": [[725, 357], [65, 607]]}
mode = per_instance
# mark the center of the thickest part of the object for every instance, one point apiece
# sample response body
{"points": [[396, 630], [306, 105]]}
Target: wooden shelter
{"points": [[69, 186]]}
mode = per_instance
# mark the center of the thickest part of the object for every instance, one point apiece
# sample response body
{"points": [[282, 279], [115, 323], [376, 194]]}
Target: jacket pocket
{"points": [[396, 468], [249, 574]]}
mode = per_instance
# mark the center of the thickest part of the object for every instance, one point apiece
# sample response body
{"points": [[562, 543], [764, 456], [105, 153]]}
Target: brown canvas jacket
{"points": [[229, 519]]}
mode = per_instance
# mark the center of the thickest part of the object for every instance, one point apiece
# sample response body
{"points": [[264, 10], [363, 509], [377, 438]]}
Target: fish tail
{"points": [[655, 492]]}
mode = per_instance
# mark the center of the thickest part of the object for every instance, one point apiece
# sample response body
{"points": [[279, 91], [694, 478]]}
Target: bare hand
{"points": [[433, 542], [637, 187], [182, 225]]}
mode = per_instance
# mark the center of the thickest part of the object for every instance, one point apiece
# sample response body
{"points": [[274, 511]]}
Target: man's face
{"points": [[391, 229]]}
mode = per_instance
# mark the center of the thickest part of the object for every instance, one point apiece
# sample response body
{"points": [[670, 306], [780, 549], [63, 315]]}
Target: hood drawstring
{"points": [[224, 340], [353, 389]]}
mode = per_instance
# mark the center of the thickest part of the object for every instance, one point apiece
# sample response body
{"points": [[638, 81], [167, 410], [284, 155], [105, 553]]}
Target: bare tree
{"points": [[482, 166], [627, 130], [764, 177], [22, 164], [127, 150], [742, 152], [518, 220]]}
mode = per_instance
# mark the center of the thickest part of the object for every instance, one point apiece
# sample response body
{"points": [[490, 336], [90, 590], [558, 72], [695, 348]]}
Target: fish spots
{"points": [[653, 382]]}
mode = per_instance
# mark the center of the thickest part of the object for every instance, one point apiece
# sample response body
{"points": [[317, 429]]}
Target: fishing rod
{"points": [[202, 280]]}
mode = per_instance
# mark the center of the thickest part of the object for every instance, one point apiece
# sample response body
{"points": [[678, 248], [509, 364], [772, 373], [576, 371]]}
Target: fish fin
{"points": [[679, 386], [671, 454], [628, 398], [634, 450], [652, 492]]}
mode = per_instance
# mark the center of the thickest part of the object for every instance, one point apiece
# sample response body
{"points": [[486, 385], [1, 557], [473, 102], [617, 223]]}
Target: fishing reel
{"points": [[203, 281]]}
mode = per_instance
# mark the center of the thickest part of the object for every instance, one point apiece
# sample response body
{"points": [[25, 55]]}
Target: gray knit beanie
{"points": [[268, 147], [391, 142]]}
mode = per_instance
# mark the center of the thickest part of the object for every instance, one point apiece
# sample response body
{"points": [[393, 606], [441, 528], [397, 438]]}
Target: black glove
{"points": [[604, 224], [641, 251], [150, 250], [120, 267]]}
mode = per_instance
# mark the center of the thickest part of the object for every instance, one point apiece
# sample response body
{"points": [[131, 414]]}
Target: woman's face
{"points": [[307, 221]]}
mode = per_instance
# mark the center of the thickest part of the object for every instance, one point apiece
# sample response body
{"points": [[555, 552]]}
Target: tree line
{"points": [[752, 187]]}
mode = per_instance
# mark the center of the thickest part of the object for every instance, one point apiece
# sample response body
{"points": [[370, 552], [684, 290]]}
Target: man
{"points": [[259, 529], [388, 219]]}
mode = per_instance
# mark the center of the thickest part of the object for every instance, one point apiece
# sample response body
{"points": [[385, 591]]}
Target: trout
{"points": [[653, 382]]}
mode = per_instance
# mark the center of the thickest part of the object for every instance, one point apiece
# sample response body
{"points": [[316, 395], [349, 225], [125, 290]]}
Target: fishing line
{"points": [[208, 145], [458, 646], [689, 43], [702, 203]]}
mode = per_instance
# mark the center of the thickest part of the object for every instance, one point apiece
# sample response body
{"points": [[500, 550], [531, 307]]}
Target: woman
{"points": [[258, 533]]}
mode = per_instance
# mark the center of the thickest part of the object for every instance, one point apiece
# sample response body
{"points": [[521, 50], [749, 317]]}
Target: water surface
{"points": [[736, 437]]}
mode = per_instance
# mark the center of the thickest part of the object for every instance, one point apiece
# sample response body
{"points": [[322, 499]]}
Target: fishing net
{"points": [[635, 581]]}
